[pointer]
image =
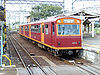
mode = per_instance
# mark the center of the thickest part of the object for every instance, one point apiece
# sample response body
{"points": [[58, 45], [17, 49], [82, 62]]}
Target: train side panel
{"points": [[27, 30], [68, 41], [53, 34], [47, 33], [19, 29], [23, 29], [35, 32]]}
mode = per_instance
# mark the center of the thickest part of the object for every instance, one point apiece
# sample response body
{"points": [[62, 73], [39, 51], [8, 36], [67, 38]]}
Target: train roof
{"points": [[49, 19]]}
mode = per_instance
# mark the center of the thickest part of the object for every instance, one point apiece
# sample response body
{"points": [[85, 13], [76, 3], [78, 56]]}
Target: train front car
{"points": [[68, 39]]}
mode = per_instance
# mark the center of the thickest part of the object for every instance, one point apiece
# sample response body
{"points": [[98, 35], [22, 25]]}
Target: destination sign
{"points": [[68, 21]]}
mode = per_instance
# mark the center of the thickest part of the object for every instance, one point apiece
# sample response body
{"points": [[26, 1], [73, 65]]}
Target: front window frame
{"points": [[69, 34]]}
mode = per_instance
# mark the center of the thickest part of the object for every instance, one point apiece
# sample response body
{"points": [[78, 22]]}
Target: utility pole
{"points": [[63, 6], [73, 4], [5, 30]]}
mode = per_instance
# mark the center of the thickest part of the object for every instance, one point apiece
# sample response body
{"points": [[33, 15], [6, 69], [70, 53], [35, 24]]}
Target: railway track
{"points": [[25, 57], [89, 68]]}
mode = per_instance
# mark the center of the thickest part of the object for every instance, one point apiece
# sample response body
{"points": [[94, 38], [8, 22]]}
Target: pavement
{"points": [[51, 70], [8, 71], [91, 43]]}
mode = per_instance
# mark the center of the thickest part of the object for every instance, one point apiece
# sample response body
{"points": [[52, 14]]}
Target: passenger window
{"points": [[28, 28], [21, 28], [42, 28], [39, 27], [53, 28], [25, 28], [32, 28], [46, 29]]}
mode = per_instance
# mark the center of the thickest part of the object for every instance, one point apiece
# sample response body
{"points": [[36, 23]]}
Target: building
{"points": [[19, 9]]}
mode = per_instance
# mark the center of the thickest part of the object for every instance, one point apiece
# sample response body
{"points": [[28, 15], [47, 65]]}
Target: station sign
{"points": [[68, 21]]}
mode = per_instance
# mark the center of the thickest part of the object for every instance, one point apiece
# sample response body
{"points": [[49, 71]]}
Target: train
{"points": [[59, 35]]}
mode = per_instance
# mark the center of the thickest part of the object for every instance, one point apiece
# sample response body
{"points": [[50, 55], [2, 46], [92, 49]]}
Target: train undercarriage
{"points": [[70, 52]]}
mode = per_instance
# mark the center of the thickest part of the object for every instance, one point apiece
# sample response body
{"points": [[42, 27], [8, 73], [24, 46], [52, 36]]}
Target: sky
{"points": [[68, 6]]}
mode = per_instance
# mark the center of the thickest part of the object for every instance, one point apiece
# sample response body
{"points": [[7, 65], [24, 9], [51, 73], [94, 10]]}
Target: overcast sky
{"points": [[68, 6], [52, 0]]}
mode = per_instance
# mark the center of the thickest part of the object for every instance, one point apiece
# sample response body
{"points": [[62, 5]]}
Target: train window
{"points": [[25, 28], [53, 29], [32, 28], [68, 29], [42, 28], [36, 29], [28, 28], [36, 26], [46, 29], [21, 28], [39, 27]]}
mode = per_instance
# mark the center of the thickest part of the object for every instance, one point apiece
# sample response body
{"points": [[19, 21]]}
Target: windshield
{"points": [[68, 29]]}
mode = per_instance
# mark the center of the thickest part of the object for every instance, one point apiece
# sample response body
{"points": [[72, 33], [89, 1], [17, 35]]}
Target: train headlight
{"points": [[78, 21], [59, 21]]}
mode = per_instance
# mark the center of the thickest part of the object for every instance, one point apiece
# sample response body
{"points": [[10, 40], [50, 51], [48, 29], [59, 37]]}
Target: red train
{"points": [[59, 35]]}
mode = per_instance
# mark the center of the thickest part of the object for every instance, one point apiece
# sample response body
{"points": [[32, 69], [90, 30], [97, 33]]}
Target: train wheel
{"points": [[56, 53], [80, 54]]}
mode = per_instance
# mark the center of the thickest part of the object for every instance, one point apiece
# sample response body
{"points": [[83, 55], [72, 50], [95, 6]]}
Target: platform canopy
{"points": [[87, 18]]}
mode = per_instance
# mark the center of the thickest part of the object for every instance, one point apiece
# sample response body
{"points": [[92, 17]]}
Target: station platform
{"points": [[91, 43], [8, 71], [51, 70], [91, 46]]}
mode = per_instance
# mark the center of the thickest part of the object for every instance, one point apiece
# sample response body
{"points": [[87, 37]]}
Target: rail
{"points": [[89, 69], [92, 70], [29, 73], [27, 67]]}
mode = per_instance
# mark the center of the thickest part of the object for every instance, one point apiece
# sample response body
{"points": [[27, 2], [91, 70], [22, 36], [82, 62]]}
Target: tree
{"points": [[15, 23], [43, 11]]}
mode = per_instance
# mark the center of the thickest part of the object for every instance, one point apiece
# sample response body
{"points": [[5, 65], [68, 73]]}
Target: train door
{"points": [[23, 29], [42, 32], [19, 29], [30, 30], [52, 33]]}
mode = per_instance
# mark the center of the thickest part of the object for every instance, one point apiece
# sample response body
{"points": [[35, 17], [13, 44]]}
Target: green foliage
{"points": [[15, 23], [43, 11], [97, 25]]}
